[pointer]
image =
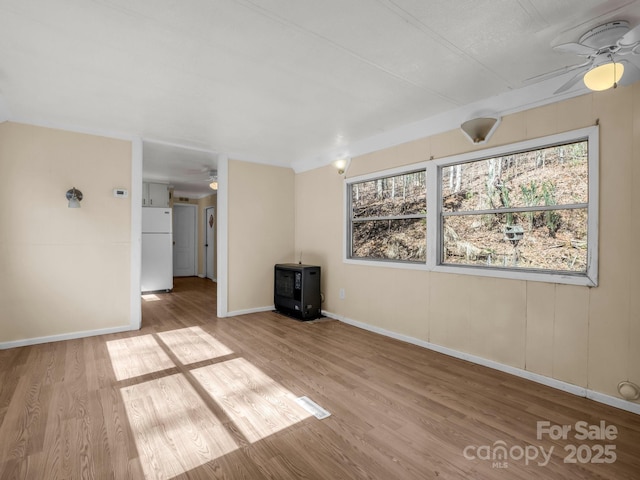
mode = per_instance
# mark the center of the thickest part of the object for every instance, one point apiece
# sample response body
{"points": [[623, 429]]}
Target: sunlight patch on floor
{"points": [[136, 356], [193, 345], [257, 404], [174, 430], [173, 424], [150, 297]]}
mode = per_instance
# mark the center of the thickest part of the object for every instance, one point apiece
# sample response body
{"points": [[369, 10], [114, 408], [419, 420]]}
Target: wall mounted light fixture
{"points": [[74, 196], [342, 164], [479, 130]]}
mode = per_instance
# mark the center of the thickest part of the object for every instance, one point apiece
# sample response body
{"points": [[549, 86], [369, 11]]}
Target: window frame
{"points": [[394, 172], [434, 238]]}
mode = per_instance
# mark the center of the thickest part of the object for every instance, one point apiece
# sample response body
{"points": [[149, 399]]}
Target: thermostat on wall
{"points": [[120, 192]]}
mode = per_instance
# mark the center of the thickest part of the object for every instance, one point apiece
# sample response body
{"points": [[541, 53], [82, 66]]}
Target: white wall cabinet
{"points": [[155, 195]]}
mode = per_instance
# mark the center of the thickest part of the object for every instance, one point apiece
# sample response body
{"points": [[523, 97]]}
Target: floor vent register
{"points": [[312, 407]]}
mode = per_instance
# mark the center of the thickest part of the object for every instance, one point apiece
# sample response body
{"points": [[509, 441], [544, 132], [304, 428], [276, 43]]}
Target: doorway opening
{"points": [[210, 243]]}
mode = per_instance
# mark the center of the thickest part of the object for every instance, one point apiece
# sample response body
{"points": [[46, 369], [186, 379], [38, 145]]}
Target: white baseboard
{"points": [[64, 336], [613, 401], [250, 310], [535, 377]]}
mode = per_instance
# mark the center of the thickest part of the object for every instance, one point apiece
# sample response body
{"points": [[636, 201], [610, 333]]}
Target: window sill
{"points": [[524, 275], [387, 263], [580, 279]]}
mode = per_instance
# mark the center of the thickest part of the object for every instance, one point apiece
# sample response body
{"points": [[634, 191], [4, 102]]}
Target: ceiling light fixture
{"points": [[74, 196], [604, 76]]}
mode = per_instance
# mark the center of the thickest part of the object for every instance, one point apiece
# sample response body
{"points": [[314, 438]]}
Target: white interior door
{"points": [[185, 249], [209, 243]]}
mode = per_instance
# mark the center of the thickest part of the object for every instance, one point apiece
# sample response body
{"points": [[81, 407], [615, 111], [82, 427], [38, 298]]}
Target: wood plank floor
{"points": [[194, 396]]}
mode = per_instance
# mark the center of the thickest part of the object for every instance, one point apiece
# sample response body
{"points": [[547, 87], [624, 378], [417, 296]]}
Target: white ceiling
{"points": [[285, 82]]}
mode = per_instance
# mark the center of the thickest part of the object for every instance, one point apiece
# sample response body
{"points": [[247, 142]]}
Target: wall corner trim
{"points": [[135, 267], [535, 377], [222, 238]]}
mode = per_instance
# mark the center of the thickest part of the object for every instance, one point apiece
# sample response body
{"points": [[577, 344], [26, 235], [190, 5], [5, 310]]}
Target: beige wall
{"points": [[585, 336], [62, 270], [260, 231]]}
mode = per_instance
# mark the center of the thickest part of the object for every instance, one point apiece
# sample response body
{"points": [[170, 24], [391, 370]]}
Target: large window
{"points": [[522, 210], [388, 218], [526, 211]]}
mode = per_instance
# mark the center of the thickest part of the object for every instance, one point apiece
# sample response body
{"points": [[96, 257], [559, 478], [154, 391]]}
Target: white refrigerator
{"points": [[157, 250]]}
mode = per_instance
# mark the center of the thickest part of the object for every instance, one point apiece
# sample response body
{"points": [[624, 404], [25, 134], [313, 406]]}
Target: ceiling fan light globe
{"points": [[603, 76]]}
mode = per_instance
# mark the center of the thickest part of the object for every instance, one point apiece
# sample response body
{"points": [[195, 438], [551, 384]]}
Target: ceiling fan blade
{"points": [[631, 73], [631, 38], [558, 72], [575, 48], [575, 79]]}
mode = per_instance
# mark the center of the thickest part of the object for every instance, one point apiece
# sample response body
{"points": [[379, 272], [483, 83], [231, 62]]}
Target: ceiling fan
{"points": [[213, 178], [202, 175], [602, 46]]}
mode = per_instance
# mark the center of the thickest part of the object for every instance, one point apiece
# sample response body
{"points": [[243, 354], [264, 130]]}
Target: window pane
{"points": [[390, 239], [549, 240], [550, 176], [390, 196]]}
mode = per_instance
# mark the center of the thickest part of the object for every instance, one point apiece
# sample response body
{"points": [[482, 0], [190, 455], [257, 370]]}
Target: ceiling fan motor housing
{"points": [[605, 35]]}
